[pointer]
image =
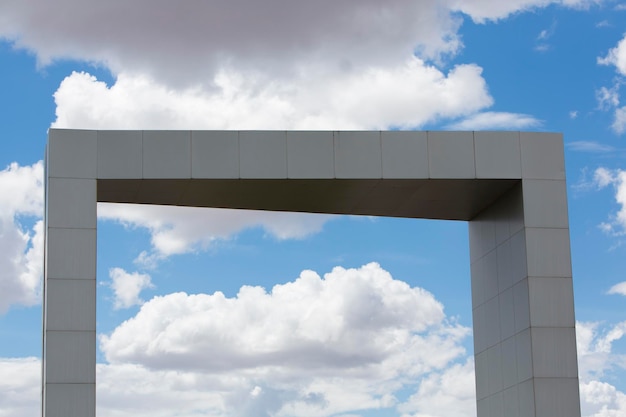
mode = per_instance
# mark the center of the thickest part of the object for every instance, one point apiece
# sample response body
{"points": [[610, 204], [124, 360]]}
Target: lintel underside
{"points": [[442, 199]]}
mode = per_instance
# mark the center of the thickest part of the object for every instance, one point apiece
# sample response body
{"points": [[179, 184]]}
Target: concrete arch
{"points": [[509, 186]]}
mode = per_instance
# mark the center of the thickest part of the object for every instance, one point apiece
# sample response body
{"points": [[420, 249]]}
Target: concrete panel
{"points": [[70, 400], [490, 271], [479, 320], [523, 350], [551, 302], [521, 305], [166, 154], [497, 155], [526, 396], [542, 156], [451, 155], [556, 397], [510, 398], [482, 233], [505, 265], [519, 258], [548, 252], [494, 369], [482, 407], [71, 253], [480, 370], [70, 304], [496, 405], [478, 284], [71, 203], [263, 155], [492, 322], [72, 153], [404, 154], [70, 357], [515, 209], [545, 203], [554, 352], [310, 155], [214, 154], [358, 155], [501, 219], [506, 314], [120, 154], [509, 363]]}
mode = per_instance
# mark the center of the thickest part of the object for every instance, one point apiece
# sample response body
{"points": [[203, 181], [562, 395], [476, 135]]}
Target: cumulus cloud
{"points": [[483, 10], [601, 399], [619, 120], [496, 120], [424, 358], [127, 287], [451, 393], [20, 387], [313, 346], [619, 288], [595, 359], [609, 98], [348, 318], [616, 57], [178, 230], [603, 177], [21, 263], [184, 45], [407, 95], [242, 64]]}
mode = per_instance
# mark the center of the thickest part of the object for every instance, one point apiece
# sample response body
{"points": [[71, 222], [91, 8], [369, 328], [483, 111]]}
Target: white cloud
{"points": [[20, 387], [450, 393], [619, 288], [252, 387], [603, 177], [177, 230], [616, 56], [589, 146], [601, 399], [608, 98], [496, 120], [21, 263], [189, 45], [127, 287], [596, 358], [312, 347], [619, 122], [341, 312], [595, 349], [483, 10], [408, 95]]}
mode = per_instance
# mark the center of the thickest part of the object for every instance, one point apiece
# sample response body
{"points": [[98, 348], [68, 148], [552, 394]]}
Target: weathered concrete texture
{"points": [[510, 186]]}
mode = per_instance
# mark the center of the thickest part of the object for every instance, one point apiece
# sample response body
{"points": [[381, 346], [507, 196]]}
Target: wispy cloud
{"points": [[543, 37], [589, 146], [496, 120]]}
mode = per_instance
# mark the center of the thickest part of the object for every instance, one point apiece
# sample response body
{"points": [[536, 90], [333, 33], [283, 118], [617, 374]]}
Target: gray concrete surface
{"points": [[509, 186]]}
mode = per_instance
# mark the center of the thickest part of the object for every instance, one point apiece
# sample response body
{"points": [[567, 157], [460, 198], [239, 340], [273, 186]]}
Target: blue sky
{"points": [[224, 313]]}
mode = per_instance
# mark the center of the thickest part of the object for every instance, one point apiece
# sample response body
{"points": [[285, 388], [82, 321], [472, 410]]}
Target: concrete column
{"points": [[69, 339], [522, 297]]}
